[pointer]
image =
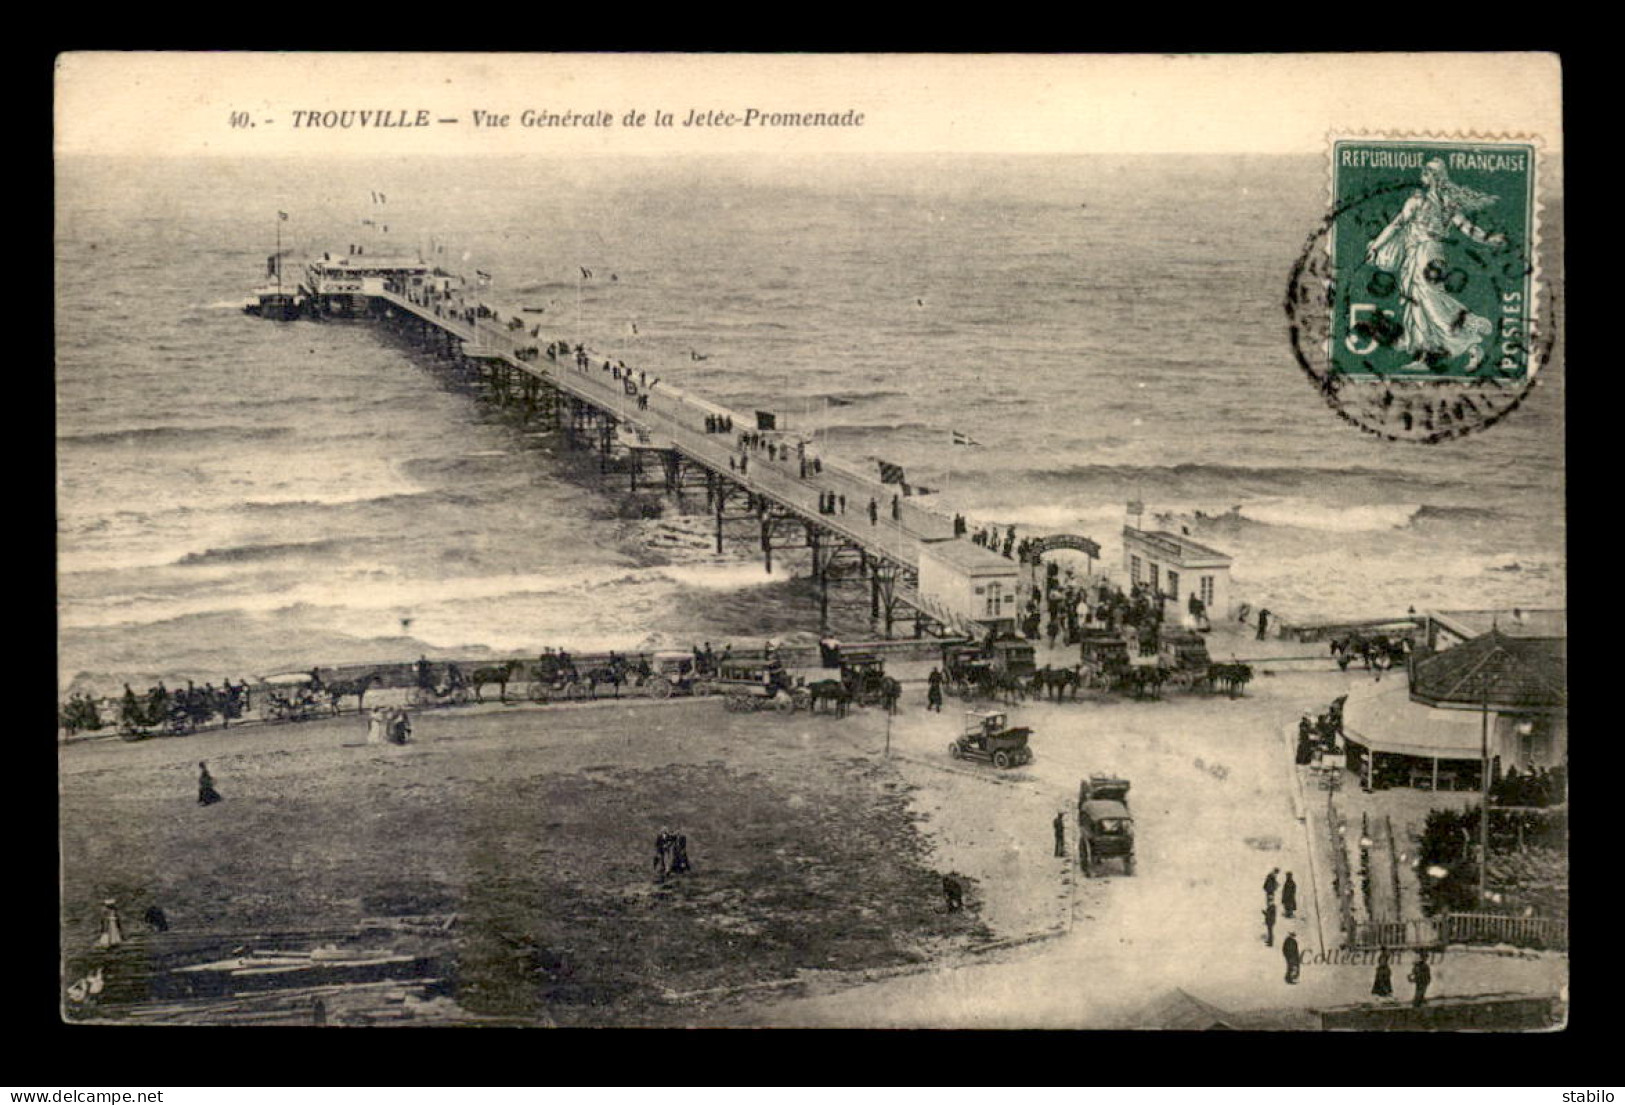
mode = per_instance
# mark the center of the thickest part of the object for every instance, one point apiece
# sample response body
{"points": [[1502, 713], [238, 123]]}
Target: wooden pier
{"points": [[666, 446]]}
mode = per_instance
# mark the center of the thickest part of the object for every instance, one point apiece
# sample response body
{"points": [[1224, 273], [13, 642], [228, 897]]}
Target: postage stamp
{"points": [[1417, 307]]}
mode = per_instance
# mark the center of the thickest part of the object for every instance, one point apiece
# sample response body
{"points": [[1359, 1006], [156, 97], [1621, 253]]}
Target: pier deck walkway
{"points": [[674, 420]]}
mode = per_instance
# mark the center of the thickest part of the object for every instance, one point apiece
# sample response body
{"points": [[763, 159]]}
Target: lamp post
{"points": [[1484, 788]]}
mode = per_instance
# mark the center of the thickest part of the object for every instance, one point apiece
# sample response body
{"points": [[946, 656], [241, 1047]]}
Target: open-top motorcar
{"points": [[989, 738]]}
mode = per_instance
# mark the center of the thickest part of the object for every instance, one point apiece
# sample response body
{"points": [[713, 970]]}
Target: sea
{"points": [[238, 497]]}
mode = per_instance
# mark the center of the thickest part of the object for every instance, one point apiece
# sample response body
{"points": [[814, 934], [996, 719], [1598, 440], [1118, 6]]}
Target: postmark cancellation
{"points": [[1417, 308]]}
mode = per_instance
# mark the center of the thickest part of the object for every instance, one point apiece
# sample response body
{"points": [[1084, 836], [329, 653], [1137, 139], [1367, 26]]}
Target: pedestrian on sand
{"points": [[1421, 974], [1383, 985], [1289, 952], [1289, 896], [206, 794]]}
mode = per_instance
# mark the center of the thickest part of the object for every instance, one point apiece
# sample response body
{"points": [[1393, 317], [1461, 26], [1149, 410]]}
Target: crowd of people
{"points": [[1538, 787]]}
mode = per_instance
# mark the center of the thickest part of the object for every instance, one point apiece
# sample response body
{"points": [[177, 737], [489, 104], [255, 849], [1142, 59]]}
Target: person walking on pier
{"points": [[1059, 824], [843, 503], [896, 509], [874, 512], [1289, 896]]}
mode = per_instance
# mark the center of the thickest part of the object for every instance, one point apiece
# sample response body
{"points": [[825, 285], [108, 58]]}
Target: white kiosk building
{"points": [[1176, 567]]}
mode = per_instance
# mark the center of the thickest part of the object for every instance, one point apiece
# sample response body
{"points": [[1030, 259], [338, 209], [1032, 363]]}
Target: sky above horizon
{"points": [[199, 104]]}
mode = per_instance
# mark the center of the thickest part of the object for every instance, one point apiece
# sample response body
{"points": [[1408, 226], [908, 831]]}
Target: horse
{"points": [[1007, 685], [612, 674], [890, 692], [1146, 680], [498, 675], [1232, 677], [358, 687], [832, 691]]}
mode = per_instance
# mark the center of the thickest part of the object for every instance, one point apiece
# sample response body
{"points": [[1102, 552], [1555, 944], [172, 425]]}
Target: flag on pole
{"points": [[961, 438], [890, 473], [766, 420], [283, 215]]}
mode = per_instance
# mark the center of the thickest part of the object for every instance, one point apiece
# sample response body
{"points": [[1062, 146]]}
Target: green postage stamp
{"points": [[1417, 308]]}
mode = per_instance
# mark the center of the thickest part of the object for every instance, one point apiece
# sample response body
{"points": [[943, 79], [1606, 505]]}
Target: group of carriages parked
{"points": [[1112, 662]]}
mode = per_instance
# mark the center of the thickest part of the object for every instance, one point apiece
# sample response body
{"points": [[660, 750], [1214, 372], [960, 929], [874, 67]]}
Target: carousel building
{"points": [[1492, 697]]}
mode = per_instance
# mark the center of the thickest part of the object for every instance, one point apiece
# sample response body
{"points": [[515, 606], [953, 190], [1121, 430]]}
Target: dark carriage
{"points": [[1184, 658], [1105, 826], [755, 685], [863, 673], [1103, 657]]}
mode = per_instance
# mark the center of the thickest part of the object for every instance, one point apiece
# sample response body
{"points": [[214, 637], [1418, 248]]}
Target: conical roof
{"points": [[1506, 672]]}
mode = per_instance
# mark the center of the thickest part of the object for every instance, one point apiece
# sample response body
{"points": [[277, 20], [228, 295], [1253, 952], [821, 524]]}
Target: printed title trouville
{"points": [[532, 118]]}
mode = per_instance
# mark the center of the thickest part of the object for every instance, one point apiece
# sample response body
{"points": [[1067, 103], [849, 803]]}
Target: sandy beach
{"points": [[818, 844]]}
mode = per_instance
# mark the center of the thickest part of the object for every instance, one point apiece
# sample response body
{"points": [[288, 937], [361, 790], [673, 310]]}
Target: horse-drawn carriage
{"points": [[757, 685], [863, 674], [1103, 657], [293, 696], [988, 738], [1105, 826], [452, 690], [1184, 658], [1004, 666], [669, 673]]}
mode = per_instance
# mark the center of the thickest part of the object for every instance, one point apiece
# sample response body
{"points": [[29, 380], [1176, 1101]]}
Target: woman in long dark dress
{"points": [[206, 794], [1383, 987]]}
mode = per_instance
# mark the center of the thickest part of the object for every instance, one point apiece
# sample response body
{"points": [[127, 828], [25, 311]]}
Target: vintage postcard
{"points": [[812, 541]]}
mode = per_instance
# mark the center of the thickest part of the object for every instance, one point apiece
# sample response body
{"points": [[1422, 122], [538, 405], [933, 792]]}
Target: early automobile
{"points": [[1105, 826], [989, 738]]}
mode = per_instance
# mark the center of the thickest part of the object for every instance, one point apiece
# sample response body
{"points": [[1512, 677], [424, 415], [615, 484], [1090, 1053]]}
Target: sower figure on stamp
{"points": [[1437, 326]]}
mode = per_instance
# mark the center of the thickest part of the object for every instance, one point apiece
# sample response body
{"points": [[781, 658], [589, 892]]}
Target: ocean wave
{"points": [[1329, 518], [1457, 514], [179, 435], [1191, 476], [369, 590], [849, 398], [248, 554]]}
